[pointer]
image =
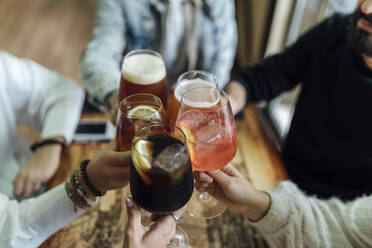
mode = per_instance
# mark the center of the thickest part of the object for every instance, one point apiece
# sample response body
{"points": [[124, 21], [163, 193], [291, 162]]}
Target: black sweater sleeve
{"points": [[283, 71]]}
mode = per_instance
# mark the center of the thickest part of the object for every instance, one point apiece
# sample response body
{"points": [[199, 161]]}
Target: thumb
{"points": [[220, 177], [134, 215]]}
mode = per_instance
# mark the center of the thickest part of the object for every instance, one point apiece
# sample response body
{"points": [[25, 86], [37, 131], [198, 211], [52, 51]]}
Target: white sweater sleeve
{"points": [[42, 98], [296, 220], [29, 223]]}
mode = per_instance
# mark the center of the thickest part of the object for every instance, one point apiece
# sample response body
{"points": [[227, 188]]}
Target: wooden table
{"points": [[103, 226]]}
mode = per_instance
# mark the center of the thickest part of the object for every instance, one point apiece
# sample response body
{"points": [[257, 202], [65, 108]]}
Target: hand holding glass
{"points": [[206, 118]]}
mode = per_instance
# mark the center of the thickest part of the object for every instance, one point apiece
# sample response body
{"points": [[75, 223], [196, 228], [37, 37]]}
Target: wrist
{"points": [[258, 206], [89, 178], [237, 96]]}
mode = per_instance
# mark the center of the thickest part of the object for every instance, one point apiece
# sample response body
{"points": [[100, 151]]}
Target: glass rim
{"points": [[142, 94], [121, 108], [151, 125], [142, 51], [204, 73], [222, 93]]}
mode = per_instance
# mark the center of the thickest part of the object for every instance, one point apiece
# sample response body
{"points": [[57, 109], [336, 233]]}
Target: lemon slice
{"points": [[143, 154], [142, 159], [190, 139], [144, 112]]}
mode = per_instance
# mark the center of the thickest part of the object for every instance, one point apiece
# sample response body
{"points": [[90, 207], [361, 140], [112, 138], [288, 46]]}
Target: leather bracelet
{"points": [[37, 145], [87, 182]]}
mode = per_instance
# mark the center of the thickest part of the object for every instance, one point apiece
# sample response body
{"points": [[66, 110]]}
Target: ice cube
{"points": [[195, 119], [211, 134], [171, 158]]}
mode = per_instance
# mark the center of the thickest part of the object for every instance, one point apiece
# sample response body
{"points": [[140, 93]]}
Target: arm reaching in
{"points": [[286, 217], [30, 222]]}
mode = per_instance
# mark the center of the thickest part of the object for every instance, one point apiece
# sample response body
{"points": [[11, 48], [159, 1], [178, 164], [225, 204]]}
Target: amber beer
{"points": [[135, 112], [143, 71], [188, 81]]}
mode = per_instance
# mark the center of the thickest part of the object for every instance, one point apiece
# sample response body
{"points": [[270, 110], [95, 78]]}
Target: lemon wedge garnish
{"points": [[144, 112], [143, 154], [190, 139], [142, 159]]}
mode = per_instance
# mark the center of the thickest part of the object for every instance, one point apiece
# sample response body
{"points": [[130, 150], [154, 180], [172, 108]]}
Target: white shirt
{"points": [[40, 98], [31, 222], [51, 103]]}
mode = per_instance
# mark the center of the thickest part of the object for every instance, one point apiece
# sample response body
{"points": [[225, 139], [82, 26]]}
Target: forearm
{"points": [[50, 153], [282, 72], [100, 62], [295, 220], [237, 96], [258, 206]]}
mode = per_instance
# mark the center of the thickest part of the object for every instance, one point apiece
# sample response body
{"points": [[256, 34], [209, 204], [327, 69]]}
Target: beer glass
{"points": [[161, 179], [134, 112], [206, 118], [187, 81], [143, 71]]}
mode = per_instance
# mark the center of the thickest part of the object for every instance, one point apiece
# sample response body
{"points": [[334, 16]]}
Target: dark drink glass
{"points": [[161, 179], [143, 71]]}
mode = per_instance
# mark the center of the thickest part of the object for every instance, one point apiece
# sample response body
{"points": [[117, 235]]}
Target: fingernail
{"points": [[129, 202]]}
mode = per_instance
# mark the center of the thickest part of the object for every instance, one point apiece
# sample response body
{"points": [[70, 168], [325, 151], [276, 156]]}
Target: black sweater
{"points": [[328, 150]]}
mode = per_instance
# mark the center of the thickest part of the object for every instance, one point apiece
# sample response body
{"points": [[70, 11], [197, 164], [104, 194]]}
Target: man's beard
{"points": [[359, 39]]}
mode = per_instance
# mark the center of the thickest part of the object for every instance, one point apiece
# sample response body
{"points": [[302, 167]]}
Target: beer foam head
{"points": [[188, 84], [205, 97], [143, 69]]}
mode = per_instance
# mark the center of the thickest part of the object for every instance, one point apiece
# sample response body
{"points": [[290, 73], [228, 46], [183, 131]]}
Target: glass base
{"points": [[179, 240], [202, 205]]}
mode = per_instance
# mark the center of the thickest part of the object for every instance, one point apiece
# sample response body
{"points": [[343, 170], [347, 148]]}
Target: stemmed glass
{"points": [[206, 118], [185, 82], [161, 179]]}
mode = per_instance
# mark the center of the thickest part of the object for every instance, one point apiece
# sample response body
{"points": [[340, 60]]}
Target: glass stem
{"points": [[204, 196]]}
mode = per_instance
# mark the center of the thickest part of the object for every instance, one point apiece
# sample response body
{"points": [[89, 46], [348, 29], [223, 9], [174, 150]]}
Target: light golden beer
{"points": [[188, 81]]}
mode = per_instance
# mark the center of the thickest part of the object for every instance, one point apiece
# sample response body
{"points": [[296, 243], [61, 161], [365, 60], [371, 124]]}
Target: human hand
{"points": [[38, 170], [156, 236], [230, 187], [109, 169], [237, 95]]}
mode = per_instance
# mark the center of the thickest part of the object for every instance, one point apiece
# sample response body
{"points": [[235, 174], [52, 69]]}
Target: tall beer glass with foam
{"points": [[143, 71]]}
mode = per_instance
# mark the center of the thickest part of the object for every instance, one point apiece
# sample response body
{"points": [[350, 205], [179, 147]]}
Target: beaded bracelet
{"points": [[86, 180], [74, 195], [81, 188], [77, 193]]}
